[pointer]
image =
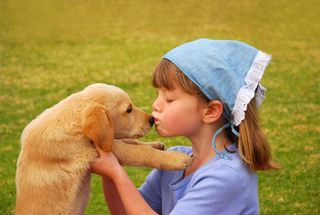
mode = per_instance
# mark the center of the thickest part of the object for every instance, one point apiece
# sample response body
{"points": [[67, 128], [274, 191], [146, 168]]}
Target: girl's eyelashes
{"points": [[169, 100]]}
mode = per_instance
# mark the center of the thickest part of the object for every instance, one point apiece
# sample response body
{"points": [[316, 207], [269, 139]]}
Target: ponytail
{"points": [[253, 146]]}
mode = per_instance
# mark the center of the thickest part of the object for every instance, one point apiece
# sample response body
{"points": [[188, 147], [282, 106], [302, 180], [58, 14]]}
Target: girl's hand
{"points": [[106, 164]]}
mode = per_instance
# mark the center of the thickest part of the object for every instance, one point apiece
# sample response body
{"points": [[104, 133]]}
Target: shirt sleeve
{"points": [[213, 194], [151, 190]]}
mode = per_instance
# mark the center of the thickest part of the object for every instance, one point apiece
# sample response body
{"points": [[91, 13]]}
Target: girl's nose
{"points": [[156, 106]]}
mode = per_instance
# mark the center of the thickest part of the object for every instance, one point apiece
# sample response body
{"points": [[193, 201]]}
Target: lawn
{"points": [[50, 49]]}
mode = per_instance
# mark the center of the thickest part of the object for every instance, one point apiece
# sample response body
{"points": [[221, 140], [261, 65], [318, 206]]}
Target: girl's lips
{"points": [[154, 115], [156, 121]]}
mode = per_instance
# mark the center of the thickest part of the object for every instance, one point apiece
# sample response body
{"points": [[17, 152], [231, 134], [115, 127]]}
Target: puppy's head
{"points": [[110, 114]]}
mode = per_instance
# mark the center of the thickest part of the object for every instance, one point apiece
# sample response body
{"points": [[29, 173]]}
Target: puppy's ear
{"points": [[97, 126]]}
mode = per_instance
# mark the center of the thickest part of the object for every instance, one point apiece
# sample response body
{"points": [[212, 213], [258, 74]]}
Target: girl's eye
{"points": [[170, 100]]}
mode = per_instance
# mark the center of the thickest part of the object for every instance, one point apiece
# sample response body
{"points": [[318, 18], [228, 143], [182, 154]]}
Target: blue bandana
{"points": [[226, 70]]}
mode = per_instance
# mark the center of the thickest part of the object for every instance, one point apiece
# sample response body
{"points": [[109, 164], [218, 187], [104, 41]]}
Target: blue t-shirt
{"points": [[221, 186]]}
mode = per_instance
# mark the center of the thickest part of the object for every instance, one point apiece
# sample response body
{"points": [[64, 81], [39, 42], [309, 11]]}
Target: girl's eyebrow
{"points": [[163, 90], [169, 92]]}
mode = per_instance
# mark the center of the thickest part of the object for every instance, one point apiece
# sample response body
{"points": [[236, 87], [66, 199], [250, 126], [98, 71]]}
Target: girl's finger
{"points": [[100, 151]]}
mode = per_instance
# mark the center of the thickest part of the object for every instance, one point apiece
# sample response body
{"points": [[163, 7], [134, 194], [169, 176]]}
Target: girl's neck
{"points": [[202, 150]]}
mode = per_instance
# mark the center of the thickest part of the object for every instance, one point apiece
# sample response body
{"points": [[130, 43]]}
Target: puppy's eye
{"points": [[129, 110]]}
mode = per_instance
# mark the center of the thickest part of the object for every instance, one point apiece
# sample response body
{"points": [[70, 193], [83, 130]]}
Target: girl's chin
{"points": [[163, 133]]}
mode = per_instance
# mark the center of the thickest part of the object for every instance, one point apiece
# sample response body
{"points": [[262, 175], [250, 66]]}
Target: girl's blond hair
{"points": [[253, 146]]}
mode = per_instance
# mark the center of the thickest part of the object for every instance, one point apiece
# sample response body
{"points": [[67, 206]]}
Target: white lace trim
{"points": [[251, 88]]}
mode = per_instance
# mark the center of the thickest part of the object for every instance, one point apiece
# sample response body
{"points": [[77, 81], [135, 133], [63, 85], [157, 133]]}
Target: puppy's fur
{"points": [[56, 148]]}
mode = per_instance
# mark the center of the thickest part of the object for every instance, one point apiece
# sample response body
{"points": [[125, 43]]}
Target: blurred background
{"points": [[50, 49]]}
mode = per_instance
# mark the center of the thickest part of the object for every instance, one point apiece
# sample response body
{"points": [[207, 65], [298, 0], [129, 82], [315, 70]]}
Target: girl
{"points": [[209, 92]]}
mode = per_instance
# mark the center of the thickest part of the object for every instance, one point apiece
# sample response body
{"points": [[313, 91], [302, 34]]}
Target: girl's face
{"points": [[177, 113]]}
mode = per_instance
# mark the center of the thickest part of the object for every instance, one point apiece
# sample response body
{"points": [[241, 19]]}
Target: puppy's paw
{"points": [[175, 161], [157, 145]]}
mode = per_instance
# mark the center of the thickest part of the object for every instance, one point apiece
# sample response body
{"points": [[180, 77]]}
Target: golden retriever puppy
{"points": [[56, 147]]}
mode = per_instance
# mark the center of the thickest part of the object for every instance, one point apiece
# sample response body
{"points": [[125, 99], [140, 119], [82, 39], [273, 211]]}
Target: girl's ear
{"points": [[213, 112]]}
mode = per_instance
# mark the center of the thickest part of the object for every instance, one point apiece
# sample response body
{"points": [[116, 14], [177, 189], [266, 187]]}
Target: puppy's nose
{"points": [[151, 120]]}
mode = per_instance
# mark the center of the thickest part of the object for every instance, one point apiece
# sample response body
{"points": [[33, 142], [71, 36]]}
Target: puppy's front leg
{"points": [[154, 144], [140, 155]]}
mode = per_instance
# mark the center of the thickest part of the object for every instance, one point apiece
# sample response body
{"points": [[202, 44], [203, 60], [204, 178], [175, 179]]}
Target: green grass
{"points": [[50, 49]]}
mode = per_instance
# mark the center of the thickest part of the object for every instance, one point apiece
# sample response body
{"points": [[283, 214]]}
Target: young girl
{"points": [[209, 92]]}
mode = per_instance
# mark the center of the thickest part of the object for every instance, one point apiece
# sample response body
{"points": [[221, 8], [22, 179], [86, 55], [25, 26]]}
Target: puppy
{"points": [[56, 148]]}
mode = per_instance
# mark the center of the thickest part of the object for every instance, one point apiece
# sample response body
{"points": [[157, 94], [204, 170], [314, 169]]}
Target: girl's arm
{"points": [[131, 198], [120, 192], [112, 197]]}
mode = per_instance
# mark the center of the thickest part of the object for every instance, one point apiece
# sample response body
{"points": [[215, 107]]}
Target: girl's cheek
{"points": [[172, 117]]}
